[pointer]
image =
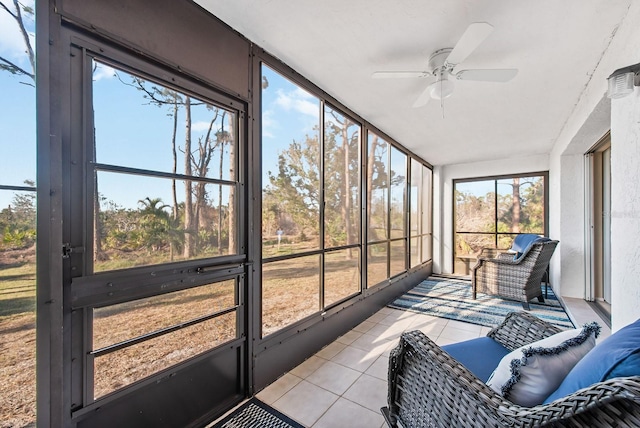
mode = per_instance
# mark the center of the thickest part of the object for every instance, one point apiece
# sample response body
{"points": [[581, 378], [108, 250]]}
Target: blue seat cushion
{"points": [[480, 356], [616, 356]]}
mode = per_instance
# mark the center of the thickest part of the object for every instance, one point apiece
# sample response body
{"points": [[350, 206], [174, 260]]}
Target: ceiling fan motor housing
{"points": [[438, 61], [442, 87]]}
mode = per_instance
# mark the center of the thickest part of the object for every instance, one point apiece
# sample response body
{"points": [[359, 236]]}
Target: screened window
{"points": [[311, 196], [341, 179], [175, 154], [135, 339], [18, 214], [420, 214], [490, 212], [290, 167], [162, 186], [386, 210]]}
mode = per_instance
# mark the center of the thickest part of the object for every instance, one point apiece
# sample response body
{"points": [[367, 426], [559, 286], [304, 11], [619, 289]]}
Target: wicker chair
{"points": [[498, 273], [428, 388]]}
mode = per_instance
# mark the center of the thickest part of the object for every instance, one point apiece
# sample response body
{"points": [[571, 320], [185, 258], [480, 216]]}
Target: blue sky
{"points": [[132, 132], [17, 110], [288, 113], [138, 135]]}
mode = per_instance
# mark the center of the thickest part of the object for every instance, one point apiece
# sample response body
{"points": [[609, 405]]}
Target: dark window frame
{"points": [[496, 234], [326, 101], [87, 290]]}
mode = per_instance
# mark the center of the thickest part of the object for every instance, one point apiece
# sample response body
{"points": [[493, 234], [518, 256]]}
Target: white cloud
{"points": [[200, 126], [298, 100], [103, 71], [269, 124]]}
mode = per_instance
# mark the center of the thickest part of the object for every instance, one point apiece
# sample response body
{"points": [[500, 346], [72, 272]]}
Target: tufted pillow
{"points": [[529, 374], [616, 356]]}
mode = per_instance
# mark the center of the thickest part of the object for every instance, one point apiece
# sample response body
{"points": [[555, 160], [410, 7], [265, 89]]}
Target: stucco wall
{"points": [[592, 116], [625, 209]]}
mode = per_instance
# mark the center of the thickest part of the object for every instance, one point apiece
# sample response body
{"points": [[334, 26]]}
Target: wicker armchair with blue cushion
{"points": [[578, 383], [515, 274]]}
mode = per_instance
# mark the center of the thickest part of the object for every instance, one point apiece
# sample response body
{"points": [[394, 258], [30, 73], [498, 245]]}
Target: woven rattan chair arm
{"points": [[427, 387], [502, 258], [521, 328], [505, 256], [615, 402], [490, 252]]}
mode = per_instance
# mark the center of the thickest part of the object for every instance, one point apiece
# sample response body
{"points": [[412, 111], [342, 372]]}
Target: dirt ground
{"points": [[17, 338], [18, 371], [290, 293]]}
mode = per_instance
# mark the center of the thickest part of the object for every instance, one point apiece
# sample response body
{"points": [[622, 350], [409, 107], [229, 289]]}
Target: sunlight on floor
{"points": [[347, 380]]}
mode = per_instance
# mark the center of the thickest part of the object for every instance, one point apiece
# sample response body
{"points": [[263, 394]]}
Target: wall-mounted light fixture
{"points": [[622, 81]]}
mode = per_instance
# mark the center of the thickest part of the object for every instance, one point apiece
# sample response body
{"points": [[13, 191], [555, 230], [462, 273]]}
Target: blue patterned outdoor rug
{"points": [[256, 414], [452, 299]]}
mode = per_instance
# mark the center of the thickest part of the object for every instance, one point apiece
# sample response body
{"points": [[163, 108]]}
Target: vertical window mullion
{"points": [[495, 211], [388, 210], [323, 202]]}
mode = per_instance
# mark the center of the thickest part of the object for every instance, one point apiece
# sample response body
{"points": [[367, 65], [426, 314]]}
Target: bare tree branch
{"points": [[14, 69], [8, 65], [8, 11], [25, 36]]}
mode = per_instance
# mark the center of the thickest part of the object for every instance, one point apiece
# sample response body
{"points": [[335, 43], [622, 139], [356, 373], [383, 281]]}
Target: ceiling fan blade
{"points": [[475, 34], [495, 75], [399, 74], [423, 99]]}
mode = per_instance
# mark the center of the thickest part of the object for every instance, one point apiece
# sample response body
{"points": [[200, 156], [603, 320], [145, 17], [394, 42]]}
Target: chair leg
{"points": [[541, 299], [388, 418], [525, 305]]}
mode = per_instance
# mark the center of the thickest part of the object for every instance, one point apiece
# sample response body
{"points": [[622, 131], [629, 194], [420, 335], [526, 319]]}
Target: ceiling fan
{"points": [[443, 62]]}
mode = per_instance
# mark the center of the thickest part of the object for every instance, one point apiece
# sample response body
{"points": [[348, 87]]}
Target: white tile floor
{"points": [[344, 384]]}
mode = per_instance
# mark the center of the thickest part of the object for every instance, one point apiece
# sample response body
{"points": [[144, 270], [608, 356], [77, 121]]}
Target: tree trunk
{"points": [[205, 151], [516, 208], [370, 161], [174, 192], [220, 172], [232, 190], [346, 206], [188, 197], [97, 242]]}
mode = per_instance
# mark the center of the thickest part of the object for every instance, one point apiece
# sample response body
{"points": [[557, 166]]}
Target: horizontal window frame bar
{"points": [[309, 253], [18, 188], [99, 291], [384, 241], [158, 333], [495, 233], [159, 174]]}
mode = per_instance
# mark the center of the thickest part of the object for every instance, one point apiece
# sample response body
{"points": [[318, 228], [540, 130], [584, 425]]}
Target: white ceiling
{"points": [[338, 44]]}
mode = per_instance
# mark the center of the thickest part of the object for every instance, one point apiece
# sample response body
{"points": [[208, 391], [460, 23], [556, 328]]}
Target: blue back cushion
{"points": [[480, 356], [616, 356], [522, 243]]}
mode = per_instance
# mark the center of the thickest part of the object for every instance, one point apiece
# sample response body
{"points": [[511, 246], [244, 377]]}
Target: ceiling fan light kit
{"points": [[441, 88], [443, 62]]}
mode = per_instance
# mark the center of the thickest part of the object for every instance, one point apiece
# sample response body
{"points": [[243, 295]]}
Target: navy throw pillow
{"points": [[617, 355]]}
